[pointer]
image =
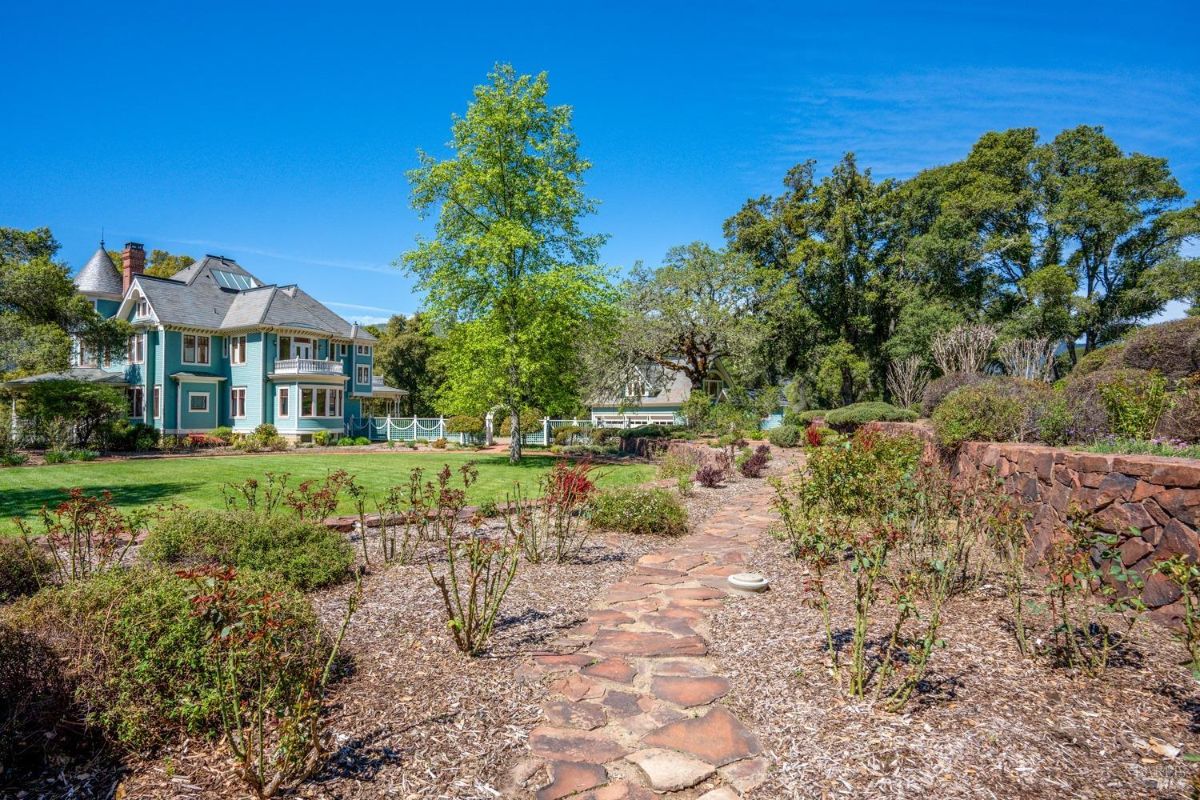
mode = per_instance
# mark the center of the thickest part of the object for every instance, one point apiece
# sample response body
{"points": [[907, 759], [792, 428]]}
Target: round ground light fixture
{"points": [[748, 582]]}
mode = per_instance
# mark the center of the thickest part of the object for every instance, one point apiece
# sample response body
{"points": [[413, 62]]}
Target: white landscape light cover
{"points": [[748, 581]]}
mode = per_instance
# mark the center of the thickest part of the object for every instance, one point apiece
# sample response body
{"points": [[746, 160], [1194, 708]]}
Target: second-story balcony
{"points": [[307, 366]]}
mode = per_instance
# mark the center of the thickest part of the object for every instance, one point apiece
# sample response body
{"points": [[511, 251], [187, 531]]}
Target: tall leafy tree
{"points": [[40, 310], [701, 306], [509, 272], [161, 264], [405, 356]]}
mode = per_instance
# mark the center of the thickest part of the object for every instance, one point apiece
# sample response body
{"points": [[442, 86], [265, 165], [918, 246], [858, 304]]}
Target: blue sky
{"points": [[280, 133]]}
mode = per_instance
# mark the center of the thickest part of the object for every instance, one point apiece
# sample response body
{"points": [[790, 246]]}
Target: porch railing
{"points": [[308, 366]]}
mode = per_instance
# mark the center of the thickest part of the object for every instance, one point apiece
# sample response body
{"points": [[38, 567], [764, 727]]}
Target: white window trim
{"points": [[207, 405], [281, 393], [137, 349], [233, 390], [359, 370], [339, 404], [234, 350], [362, 349], [183, 349]]}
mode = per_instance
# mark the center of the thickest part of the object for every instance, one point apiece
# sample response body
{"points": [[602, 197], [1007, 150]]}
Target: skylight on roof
{"points": [[233, 280]]}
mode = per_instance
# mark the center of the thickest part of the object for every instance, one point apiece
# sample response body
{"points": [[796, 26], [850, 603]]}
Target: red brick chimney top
{"points": [[133, 262]]}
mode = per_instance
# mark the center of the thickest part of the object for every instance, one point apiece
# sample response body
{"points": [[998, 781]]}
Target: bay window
{"points": [[321, 402]]}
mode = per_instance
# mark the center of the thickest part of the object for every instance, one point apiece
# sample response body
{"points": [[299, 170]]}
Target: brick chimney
{"points": [[133, 262]]}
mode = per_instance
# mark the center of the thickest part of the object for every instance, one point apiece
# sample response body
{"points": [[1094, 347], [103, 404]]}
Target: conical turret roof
{"points": [[99, 275]]}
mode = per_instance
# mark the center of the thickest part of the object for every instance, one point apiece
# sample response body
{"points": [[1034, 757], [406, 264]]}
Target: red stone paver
{"points": [[634, 710], [688, 691], [717, 737], [569, 777]]}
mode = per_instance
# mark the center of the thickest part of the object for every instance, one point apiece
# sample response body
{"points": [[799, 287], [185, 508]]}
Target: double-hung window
{"points": [[157, 395], [237, 350], [137, 402], [143, 308], [363, 349], [364, 374], [237, 402], [137, 349], [285, 396], [196, 349]]}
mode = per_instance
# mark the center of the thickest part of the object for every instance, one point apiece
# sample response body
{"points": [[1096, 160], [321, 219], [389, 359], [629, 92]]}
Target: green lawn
{"points": [[197, 481]]}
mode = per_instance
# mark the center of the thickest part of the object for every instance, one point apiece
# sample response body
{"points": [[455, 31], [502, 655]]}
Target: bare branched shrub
{"points": [[1031, 359], [906, 380], [964, 348]]}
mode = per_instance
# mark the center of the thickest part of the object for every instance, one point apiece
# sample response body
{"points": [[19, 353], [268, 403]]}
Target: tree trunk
{"points": [[514, 441]]}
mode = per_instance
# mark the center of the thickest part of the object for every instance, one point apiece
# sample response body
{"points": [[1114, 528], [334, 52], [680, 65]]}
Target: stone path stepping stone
{"points": [[634, 711]]}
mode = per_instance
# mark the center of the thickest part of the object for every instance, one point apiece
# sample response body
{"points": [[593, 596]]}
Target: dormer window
{"points": [[143, 308]]}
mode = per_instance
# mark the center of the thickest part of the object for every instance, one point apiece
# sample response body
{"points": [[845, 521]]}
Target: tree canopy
{"points": [[510, 274], [40, 310], [405, 356]]}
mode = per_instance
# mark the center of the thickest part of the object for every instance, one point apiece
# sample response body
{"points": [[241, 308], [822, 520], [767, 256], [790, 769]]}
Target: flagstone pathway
{"points": [[634, 708]]}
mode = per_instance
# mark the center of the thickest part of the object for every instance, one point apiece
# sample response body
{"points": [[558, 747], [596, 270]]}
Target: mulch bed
{"points": [[414, 718], [988, 723]]}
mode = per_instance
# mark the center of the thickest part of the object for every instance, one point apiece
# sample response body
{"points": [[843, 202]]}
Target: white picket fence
{"points": [[411, 429]]}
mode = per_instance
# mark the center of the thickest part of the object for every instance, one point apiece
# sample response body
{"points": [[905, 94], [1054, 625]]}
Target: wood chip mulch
{"points": [[987, 724], [414, 718]]}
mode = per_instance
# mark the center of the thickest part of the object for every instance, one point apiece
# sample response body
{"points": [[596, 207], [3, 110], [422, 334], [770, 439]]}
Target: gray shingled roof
{"points": [[99, 275], [193, 298], [88, 374]]}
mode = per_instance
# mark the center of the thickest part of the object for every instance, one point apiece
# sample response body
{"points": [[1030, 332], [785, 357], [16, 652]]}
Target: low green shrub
{"points": [[678, 463], [785, 435], [600, 435], [57, 456], [857, 475], [1152, 447], [36, 706], [136, 436], [638, 510], [648, 432], [137, 655], [1105, 358], [13, 459], [361, 441], [306, 555], [489, 509], [567, 434], [223, 432], [1181, 421], [1134, 401], [345, 441], [590, 450], [998, 410], [23, 570], [322, 438], [851, 416], [938, 388], [463, 423], [83, 455], [799, 419]]}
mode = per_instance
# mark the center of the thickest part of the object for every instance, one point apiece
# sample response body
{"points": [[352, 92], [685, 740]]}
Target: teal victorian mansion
{"points": [[215, 346]]}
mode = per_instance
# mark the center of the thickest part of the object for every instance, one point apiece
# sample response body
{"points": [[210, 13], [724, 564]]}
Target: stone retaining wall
{"points": [[1152, 502]]}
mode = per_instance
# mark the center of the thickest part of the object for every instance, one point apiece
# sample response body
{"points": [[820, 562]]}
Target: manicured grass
{"points": [[197, 481]]}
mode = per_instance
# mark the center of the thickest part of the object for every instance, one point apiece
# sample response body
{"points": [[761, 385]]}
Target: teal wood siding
{"points": [[199, 420], [360, 360], [107, 308], [248, 376]]}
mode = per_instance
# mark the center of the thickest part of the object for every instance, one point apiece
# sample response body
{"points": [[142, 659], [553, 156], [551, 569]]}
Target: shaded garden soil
{"points": [[987, 724], [414, 718]]}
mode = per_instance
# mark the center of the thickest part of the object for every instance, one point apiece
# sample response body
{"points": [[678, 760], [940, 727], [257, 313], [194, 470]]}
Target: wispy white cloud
{"points": [[902, 123], [357, 307], [226, 248]]}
